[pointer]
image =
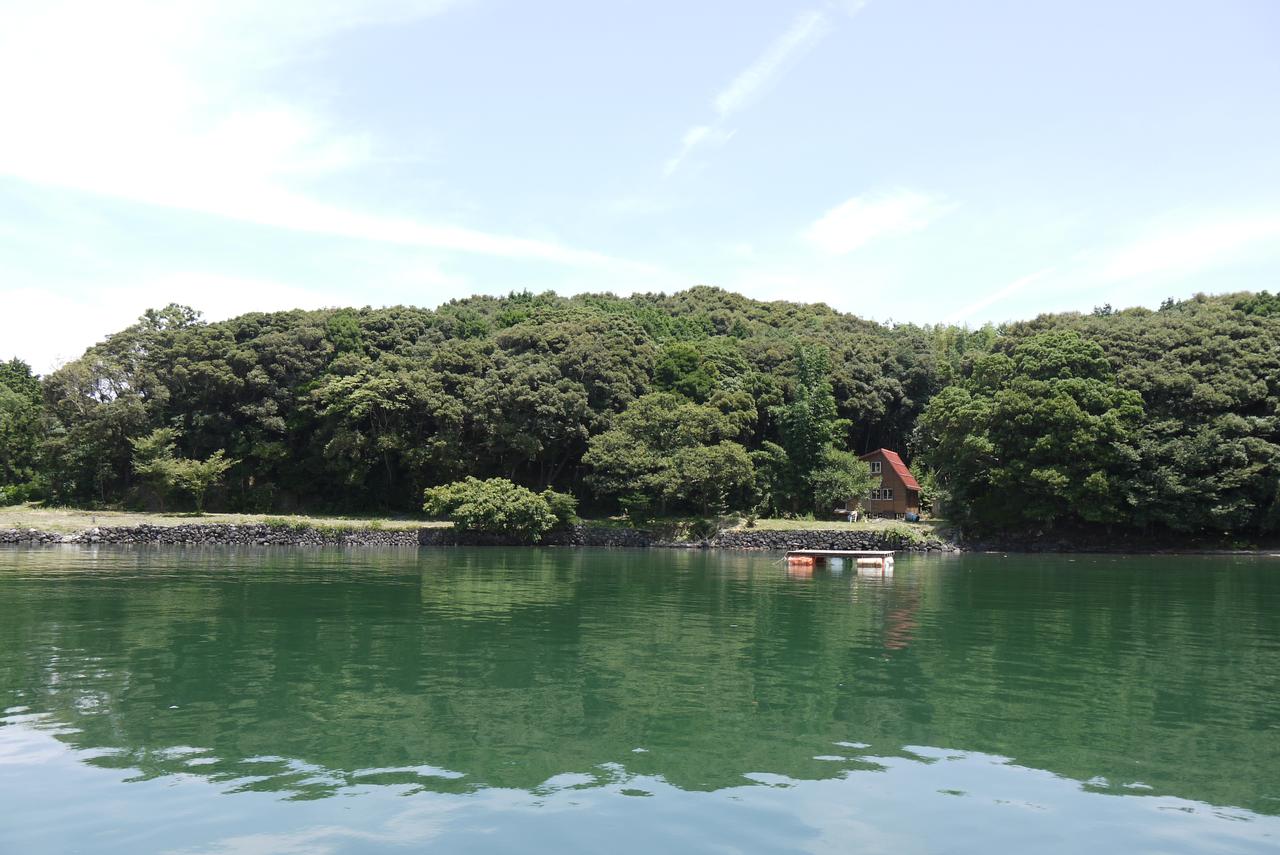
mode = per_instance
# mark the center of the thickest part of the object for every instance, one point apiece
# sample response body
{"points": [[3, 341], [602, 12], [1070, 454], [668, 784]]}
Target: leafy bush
{"points": [[638, 507], [934, 496], [704, 529], [563, 506], [840, 477], [498, 506], [154, 461], [16, 494]]}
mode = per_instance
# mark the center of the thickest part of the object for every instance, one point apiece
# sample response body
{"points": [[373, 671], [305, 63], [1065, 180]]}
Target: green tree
{"points": [[563, 507], [669, 452], [841, 477], [682, 368], [934, 497], [710, 478], [380, 428], [359, 409], [155, 460], [1039, 435], [809, 428], [198, 476], [1208, 371], [498, 506], [21, 417], [343, 330], [773, 479]]}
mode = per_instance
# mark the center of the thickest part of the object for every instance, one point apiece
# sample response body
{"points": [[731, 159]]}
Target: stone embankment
{"points": [[745, 538], [220, 535], [579, 535]]}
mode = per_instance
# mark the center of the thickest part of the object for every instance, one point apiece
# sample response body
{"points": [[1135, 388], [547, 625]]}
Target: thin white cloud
{"points": [[1189, 249], [996, 296], [696, 137], [1116, 276], [638, 204], [86, 318], [863, 219], [806, 30], [164, 103]]}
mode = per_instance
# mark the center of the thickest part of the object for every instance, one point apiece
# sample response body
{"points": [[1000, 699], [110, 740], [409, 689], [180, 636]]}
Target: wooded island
{"points": [[695, 403]]}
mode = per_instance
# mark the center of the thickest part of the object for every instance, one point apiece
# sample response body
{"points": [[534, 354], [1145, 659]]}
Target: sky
{"points": [[926, 161]]}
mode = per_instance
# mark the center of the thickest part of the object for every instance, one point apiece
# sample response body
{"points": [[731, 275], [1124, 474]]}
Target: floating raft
{"points": [[871, 559]]}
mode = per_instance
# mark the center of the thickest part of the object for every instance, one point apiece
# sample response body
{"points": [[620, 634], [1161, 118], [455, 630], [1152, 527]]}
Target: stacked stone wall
{"points": [[260, 534]]}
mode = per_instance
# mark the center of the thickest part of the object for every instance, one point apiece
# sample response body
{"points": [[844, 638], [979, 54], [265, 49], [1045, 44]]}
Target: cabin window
{"points": [[875, 467], [887, 493], [875, 495]]}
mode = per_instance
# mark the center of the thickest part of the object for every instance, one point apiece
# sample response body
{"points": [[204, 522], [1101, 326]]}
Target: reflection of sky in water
{"points": [[926, 800], [531, 700]]}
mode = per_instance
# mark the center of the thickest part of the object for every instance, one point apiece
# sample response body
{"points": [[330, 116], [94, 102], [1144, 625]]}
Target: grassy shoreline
{"points": [[74, 520], [71, 521]]}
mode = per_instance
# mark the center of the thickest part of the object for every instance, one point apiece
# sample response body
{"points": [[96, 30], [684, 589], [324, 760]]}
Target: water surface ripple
{"points": [[488, 700]]}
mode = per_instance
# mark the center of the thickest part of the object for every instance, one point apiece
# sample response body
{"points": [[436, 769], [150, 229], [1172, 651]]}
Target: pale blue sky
{"points": [[914, 160]]}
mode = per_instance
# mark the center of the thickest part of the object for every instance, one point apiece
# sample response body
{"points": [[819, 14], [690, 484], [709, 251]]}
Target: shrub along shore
{"points": [[259, 534], [37, 526], [26, 526], [1161, 425]]}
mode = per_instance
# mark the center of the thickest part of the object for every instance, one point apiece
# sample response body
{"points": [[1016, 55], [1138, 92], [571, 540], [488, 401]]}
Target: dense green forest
{"points": [[691, 403]]}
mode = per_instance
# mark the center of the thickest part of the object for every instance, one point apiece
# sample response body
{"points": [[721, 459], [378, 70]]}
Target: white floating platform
{"points": [[841, 553], [877, 562]]}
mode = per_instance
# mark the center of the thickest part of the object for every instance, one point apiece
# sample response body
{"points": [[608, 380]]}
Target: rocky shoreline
{"points": [[217, 535], [828, 539], [260, 534], [595, 535]]}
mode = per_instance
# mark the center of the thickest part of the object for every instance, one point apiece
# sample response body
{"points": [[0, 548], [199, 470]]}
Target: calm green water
{"points": [[218, 701]]}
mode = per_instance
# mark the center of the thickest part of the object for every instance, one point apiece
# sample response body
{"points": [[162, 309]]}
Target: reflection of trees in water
{"points": [[900, 623], [308, 674]]}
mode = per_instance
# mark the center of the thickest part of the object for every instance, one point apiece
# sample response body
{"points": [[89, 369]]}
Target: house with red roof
{"points": [[898, 492]]}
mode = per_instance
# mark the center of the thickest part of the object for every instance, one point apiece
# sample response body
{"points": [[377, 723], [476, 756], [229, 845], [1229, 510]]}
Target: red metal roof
{"points": [[895, 462]]}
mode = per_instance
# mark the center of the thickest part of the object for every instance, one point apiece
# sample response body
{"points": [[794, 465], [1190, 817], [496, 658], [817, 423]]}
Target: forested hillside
{"points": [[696, 402]]}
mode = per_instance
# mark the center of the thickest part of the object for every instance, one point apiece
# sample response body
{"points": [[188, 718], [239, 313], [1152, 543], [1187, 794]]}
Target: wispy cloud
{"points": [[804, 33], [806, 30], [696, 137], [996, 296], [1189, 249], [84, 318], [1117, 274], [164, 103], [863, 219]]}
